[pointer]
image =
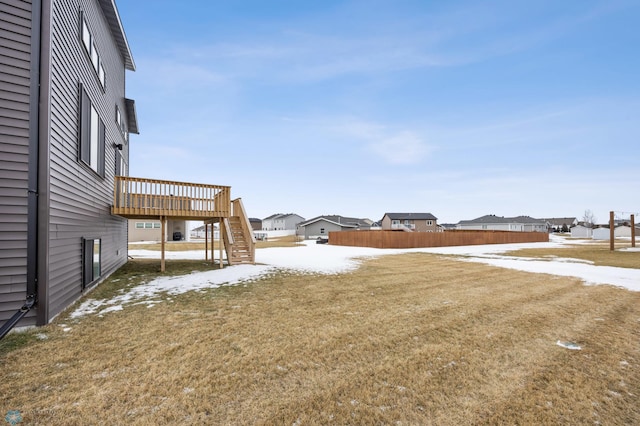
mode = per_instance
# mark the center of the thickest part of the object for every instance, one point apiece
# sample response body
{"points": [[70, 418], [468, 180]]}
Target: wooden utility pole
{"points": [[612, 232]]}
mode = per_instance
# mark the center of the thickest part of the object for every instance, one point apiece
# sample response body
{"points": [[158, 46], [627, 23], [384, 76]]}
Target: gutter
{"points": [[32, 184]]}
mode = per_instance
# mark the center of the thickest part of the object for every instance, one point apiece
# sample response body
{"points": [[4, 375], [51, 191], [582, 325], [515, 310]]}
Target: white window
{"points": [[89, 44], [139, 225], [92, 264], [429, 223], [95, 59], [93, 141], [121, 164], [120, 123], [101, 75], [92, 134], [86, 36]]}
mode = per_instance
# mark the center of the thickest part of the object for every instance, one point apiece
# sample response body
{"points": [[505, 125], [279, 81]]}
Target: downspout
{"points": [[32, 184]]}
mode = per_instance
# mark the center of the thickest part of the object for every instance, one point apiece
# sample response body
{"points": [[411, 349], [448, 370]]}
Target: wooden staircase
{"points": [[240, 251], [237, 234]]}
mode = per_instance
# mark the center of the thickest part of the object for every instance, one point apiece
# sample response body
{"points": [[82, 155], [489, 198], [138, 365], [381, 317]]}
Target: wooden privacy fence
{"points": [[396, 239]]}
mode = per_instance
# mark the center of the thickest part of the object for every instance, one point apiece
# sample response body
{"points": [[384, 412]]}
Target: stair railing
{"points": [[227, 238], [238, 210]]}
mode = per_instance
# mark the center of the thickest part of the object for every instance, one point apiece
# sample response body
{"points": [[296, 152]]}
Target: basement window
{"points": [[92, 262]]}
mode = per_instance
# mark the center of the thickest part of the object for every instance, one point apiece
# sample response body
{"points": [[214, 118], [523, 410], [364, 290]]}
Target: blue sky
{"points": [[358, 108]]}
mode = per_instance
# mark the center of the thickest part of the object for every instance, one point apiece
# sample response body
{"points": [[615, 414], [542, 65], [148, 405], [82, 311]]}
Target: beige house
{"points": [[411, 222], [150, 230]]}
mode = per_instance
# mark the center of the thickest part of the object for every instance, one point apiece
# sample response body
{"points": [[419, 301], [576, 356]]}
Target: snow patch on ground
{"points": [[327, 259]]}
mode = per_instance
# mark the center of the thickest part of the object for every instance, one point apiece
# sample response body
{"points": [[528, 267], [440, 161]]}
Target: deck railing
{"points": [[139, 197]]}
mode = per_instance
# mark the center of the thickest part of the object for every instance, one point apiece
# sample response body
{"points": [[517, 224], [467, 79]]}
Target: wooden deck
{"points": [[152, 198], [139, 198]]}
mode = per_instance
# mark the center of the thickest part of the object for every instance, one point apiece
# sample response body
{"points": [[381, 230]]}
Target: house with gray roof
{"points": [[412, 222], [492, 222], [281, 222], [561, 224], [320, 226]]}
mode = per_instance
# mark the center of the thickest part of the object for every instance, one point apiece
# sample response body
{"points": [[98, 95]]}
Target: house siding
{"points": [[79, 199], [15, 87], [417, 225], [312, 230]]}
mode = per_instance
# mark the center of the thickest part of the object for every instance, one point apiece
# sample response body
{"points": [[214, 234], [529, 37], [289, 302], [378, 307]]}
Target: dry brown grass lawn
{"points": [[598, 253], [407, 339]]}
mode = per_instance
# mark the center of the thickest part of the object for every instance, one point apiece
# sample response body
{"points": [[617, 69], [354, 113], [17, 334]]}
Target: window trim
{"points": [[91, 270], [88, 41], [91, 135]]}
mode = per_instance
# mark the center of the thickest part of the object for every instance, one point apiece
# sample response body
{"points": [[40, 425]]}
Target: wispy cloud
{"points": [[453, 37], [395, 147], [401, 148], [170, 73]]}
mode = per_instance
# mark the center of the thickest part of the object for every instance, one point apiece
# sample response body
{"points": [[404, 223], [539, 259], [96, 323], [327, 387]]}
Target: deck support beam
{"points": [[206, 242], [221, 232], [163, 237]]}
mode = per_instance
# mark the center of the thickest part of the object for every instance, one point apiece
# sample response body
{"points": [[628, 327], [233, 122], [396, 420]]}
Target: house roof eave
{"points": [[115, 24]]}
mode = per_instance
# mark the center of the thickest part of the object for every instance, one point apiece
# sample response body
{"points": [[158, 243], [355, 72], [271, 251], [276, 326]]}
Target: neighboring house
{"points": [[561, 224], [500, 223], [581, 231], [256, 224], [150, 230], [199, 232], [623, 231], [320, 226], [417, 222], [448, 226], [281, 222], [64, 136]]}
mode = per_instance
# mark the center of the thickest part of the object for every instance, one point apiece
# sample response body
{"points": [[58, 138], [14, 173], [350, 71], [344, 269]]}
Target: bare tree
{"points": [[589, 218]]}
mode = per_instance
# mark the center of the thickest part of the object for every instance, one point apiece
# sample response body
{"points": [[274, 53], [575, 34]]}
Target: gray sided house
{"points": [[320, 226], [499, 223], [281, 222], [581, 231], [64, 135], [414, 222]]}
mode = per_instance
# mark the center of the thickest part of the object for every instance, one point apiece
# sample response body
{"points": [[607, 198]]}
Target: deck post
{"points": [[633, 230], [206, 241], [163, 221], [221, 241], [213, 252]]}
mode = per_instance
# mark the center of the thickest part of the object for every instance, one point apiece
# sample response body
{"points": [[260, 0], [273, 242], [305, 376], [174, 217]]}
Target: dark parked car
{"points": [[322, 240]]}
